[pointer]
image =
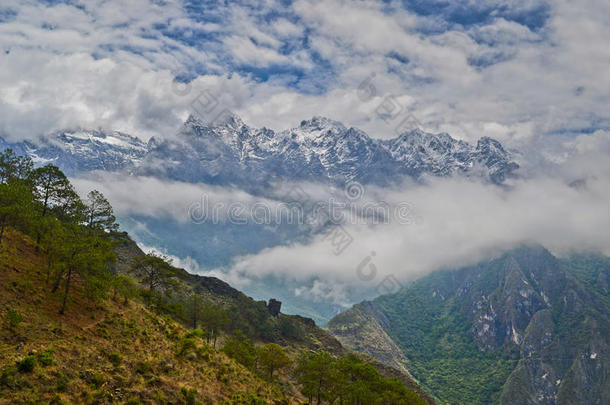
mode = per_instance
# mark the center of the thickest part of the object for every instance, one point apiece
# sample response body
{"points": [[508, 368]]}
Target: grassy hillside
{"points": [[106, 351], [88, 318], [113, 350]]}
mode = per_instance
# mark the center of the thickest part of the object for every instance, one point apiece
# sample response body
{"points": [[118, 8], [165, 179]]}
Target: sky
{"points": [[531, 73], [515, 70]]}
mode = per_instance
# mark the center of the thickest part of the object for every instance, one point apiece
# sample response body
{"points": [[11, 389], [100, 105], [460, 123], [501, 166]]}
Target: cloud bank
{"points": [[515, 71], [456, 222]]}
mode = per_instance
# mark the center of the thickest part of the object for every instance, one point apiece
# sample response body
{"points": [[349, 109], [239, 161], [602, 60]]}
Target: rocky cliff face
{"points": [[363, 329], [527, 322]]}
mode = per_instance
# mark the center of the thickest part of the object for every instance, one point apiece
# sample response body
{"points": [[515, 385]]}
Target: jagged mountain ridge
{"points": [[232, 152], [524, 328], [77, 151]]}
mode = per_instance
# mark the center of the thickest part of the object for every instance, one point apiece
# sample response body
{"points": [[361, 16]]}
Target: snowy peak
{"points": [[81, 150], [320, 124], [228, 151]]}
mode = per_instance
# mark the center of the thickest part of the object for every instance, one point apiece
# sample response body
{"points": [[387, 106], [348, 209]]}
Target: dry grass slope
{"points": [[105, 351]]}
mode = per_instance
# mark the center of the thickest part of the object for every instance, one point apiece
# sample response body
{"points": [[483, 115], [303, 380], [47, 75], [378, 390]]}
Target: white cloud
{"points": [[462, 222], [109, 64]]}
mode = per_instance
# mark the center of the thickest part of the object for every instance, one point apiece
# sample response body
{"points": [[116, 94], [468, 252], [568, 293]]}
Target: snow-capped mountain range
{"points": [[232, 152]]}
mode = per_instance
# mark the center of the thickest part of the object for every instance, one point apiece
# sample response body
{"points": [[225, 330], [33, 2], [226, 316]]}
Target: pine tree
{"points": [[154, 272], [271, 357], [215, 319], [241, 349], [13, 166], [54, 191], [99, 213], [15, 205], [84, 255], [317, 375]]}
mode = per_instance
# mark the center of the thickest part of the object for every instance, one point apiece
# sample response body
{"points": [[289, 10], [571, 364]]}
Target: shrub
{"points": [[12, 319], [46, 357], [143, 367], [56, 400], [187, 345], [27, 364], [196, 333], [115, 359], [189, 395], [62, 383], [96, 379], [7, 377]]}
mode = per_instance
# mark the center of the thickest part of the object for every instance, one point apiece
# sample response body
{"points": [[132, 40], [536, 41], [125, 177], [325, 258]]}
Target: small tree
{"points": [[154, 271], [99, 213], [215, 319], [271, 358], [15, 205], [13, 166], [123, 285], [194, 307], [241, 349]]}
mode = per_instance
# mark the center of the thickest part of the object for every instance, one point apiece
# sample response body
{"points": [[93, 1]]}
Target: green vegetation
{"points": [[491, 333], [271, 358], [118, 329], [593, 271], [326, 380], [42, 203], [12, 319], [437, 342]]}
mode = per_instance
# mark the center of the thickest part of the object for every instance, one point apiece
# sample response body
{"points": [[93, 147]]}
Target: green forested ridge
{"points": [[524, 328], [436, 340], [89, 318]]}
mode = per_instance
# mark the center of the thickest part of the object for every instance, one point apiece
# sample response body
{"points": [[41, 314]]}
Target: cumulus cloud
{"points": [[525, 69]]}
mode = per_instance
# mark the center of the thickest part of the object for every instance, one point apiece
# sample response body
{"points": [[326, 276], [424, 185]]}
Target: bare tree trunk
{"points": [[1, 232], [56, 285], [63, 305]]}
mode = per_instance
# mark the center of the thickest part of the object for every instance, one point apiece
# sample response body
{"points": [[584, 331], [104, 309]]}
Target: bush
{"points": [[115, 359], [189, 395], [27, 364], [62, 383], [197, 333], [187, 345], [7, 377], [46, 358], [143, 367], [12, 319]]}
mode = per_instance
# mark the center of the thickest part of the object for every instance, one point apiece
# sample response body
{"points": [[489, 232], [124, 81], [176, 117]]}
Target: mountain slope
{"points": [[107, 353], [307, 337], [518, 329], [121, 351]]}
